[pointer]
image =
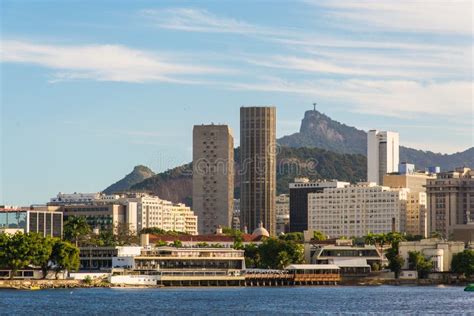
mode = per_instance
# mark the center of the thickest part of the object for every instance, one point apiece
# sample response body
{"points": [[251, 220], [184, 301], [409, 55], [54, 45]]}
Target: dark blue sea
{"points": [[398, 300]]}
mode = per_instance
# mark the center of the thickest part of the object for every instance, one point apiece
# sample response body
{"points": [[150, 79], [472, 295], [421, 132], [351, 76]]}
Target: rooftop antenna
{"points": [[314, 105]]}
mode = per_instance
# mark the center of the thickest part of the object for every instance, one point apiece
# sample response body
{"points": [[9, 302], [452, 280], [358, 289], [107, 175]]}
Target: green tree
{"points": [[76, 229], [17, 252], [395, 261], [4, 239], [418, 262], [236, 234], [463, 263], [106, 238], [64, 256], [177, 243], [317, 235], [41, 249], [283, 259], [252, 257], [270, 249], [295, 236], [125, 235], [161, 243]]}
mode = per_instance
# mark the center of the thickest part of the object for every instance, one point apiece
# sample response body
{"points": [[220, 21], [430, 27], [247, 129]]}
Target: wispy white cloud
{"points": [[199, 20], [398, 98], [434, 16], [103, 63]]}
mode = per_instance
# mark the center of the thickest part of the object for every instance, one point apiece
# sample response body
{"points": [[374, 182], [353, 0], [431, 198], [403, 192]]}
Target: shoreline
{"points": [[78, 284]]}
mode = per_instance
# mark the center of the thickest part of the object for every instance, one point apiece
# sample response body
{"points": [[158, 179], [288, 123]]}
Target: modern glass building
{"points": [[46, 223]]}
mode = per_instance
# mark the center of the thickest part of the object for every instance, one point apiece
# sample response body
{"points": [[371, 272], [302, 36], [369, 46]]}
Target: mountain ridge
{"points": [[320, 131], [138, 174]]}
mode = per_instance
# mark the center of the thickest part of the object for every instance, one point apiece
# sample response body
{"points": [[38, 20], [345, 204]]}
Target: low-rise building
{"points": [[46, 223], [352, 259], [356, 210], [96, 258], [193, 266], [439, 252]]}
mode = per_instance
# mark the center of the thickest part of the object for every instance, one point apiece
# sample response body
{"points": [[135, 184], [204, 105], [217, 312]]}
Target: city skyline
{"points": [[90, 90]]}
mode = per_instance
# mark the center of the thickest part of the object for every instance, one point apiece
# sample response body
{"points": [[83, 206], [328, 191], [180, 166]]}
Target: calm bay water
{"points": [[218, 301]]}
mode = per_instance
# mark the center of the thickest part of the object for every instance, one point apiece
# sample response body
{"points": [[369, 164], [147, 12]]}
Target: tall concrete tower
{"points": [[258, 168], [382, 155], [213, 176]]}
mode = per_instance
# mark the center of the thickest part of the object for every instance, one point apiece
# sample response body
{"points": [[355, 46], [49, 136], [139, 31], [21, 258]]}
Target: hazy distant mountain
{"points": [[138, 174], [319, 130]]}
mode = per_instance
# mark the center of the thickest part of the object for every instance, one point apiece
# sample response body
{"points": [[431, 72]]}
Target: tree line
{"points": [[21, 251]]}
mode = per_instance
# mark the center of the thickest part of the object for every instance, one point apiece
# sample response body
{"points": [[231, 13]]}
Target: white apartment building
{"points": [[138, 210], [151, 211], [356, 210], [382, 154]]}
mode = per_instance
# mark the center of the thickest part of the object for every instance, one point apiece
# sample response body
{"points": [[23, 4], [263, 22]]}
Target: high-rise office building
{"points": [[299, 191], [258, 167], [382, 154], [213, 176]]}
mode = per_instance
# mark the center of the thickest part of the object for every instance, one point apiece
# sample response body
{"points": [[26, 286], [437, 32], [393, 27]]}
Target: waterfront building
{"points": [[46, 223], [299, 191], [356, 210], [351, 259], [96, 258], [213, 176], [193, 266], [450, 200], [258, 167], [125, 257], [439, 252], [382, 154], [282, 210], [310, 274]]}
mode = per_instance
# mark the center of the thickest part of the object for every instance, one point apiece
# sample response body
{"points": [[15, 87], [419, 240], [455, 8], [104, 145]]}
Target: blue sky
{"points": [[90, 89]]}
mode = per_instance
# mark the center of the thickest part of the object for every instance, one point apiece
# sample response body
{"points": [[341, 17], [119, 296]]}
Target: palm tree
{"points": [[75, 228]]}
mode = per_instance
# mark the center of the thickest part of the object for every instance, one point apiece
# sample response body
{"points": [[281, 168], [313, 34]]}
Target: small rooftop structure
{"points": [[260, 231]]}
